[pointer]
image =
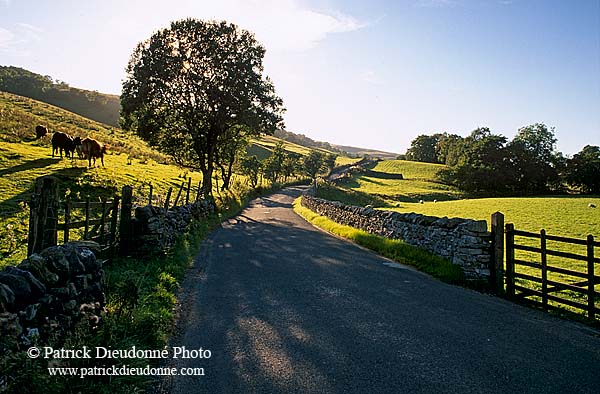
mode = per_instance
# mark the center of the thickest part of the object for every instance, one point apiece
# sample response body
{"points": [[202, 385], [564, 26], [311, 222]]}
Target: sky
{"points": [[368, 73]]}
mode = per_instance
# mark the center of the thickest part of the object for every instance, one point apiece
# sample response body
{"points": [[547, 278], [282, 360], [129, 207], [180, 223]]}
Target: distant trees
{"points": [[487, 163], [195, 87], [423, 148], [97, 106], [313, 164], [583, 170]]}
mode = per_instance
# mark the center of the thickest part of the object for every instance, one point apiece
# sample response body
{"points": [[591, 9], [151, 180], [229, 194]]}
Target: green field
{"points": [[565, 215], [130, 161], [419, 183]]}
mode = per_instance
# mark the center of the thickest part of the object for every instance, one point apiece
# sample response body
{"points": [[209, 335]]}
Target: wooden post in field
{"points": [[102, 221], [113, 225], [544, 258], [591, 277], [199, 190], [150, 196], [497, 263], [168, 198], [86, 229], [187, 196], [125, 220], [67, 220], [510, 260], [43, 215], [178, 194]]}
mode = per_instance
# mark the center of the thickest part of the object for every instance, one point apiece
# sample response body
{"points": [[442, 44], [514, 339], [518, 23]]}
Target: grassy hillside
{"points": [[100, 107], [419, 183], [360, 152], [129, 162]]}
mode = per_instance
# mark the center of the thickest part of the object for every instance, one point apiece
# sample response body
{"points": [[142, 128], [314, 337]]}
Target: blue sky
{"points": [[365, 73]]}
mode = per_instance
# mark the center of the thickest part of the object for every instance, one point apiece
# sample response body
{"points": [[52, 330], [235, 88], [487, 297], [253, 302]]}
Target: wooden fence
{"points": [[107, 222], [543, 283]]}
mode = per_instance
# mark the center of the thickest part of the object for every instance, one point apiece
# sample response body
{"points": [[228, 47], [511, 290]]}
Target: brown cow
{"points": [[78, 148], [40, 131], [62, 141], [93, 149]]}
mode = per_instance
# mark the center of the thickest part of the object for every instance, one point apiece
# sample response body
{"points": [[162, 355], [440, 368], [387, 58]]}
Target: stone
{"points": [[478, 226], [36, 264], [7, 298]]}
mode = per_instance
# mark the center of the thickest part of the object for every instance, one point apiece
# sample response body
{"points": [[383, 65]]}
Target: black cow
{"points": [[62, 141], [77, 143], [40, 131]]}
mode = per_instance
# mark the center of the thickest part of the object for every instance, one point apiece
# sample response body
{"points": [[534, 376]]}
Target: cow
{"points": [[77, 143], [40, 131], [93, 149], [62, 141]]}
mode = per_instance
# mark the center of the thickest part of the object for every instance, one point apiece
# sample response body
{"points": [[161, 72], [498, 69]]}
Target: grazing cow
{"points": [[78, 148], [93, 149], [62, 141], [40, 131]]}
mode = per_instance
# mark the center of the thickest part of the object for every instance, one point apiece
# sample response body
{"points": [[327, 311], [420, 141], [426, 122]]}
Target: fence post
{"points": [[125, 220], [113, 225], [187, 195], [150, 196], [168, 198], [544, 269], [199, 190], [43, 215], [178, 194], [67, 220], [510, 260], [497, 263], [591, 277], [102, 221], [86, 230]]}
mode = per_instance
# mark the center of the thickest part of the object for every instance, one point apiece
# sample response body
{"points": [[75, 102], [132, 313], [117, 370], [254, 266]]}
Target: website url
{"points": [[124, 371]]}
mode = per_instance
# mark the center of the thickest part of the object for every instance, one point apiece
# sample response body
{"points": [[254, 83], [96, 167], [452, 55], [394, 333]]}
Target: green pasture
{"points": [[565, 215]]}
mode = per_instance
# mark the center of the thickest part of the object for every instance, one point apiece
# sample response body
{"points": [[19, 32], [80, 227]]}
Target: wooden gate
{"points": [[571, 280]]}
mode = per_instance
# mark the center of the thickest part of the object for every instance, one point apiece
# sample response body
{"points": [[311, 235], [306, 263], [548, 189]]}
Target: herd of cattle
{"points": [[87, 148]]}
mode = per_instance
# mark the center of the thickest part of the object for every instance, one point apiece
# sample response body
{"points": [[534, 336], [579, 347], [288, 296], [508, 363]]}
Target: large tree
{"points": [[195, 86]]}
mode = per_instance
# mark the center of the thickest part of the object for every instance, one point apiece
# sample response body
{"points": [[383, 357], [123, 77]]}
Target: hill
{"points": [[103, 108], [130, 161], [361, 152]]}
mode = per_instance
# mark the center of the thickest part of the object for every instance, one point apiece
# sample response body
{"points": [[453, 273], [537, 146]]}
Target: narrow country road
{"points": [[287, 308]]}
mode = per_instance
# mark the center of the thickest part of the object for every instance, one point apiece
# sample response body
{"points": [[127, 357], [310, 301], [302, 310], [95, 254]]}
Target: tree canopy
{"points": [[195, 87]]}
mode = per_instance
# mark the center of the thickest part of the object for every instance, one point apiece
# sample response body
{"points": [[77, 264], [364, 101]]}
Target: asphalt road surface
{"points": [[286, 308]]}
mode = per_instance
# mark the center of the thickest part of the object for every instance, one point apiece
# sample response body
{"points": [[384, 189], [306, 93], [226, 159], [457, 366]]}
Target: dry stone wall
{"points": [[155, 229], [43, 297], [464, 242]]}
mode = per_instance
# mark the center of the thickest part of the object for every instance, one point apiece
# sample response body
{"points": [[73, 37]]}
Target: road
{"points": [[286, 308]]}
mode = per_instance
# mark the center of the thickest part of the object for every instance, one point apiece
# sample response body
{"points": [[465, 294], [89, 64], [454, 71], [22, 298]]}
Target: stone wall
{"points": [[156, 230], [464, 242], [45, 295]]}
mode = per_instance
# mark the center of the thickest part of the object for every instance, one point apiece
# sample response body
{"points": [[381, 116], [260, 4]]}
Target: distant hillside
{"points": [[360, 152], [303, 140], [100, 107]]}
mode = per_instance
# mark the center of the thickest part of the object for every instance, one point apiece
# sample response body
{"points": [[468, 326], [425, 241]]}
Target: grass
{"points": [[566, 215], [130, 161], [396, 250], [419, 183]]}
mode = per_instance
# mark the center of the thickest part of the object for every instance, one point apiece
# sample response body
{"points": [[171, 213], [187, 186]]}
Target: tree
{"points": [[251, 167], [313, 164], [330, 161], [190, 84], [583, 170], [532, 156], [423, 148]]}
